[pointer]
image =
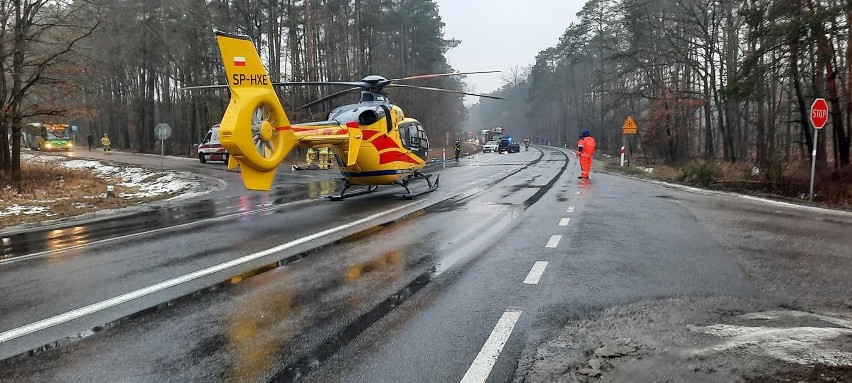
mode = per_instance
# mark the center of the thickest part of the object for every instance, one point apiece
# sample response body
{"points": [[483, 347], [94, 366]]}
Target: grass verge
{"points": [[48, 191]]}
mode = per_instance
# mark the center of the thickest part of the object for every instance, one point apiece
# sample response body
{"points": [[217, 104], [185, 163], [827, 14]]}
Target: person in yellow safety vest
{"points": [[309, 158], [105, 142], [323, 158], [585, 151]]}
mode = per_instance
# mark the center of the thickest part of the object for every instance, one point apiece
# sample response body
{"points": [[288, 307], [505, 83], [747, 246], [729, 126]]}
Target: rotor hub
{"points": [[266, 130]]}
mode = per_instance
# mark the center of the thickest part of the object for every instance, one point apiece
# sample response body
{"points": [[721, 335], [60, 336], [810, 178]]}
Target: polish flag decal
{"points": [[239, 61]]}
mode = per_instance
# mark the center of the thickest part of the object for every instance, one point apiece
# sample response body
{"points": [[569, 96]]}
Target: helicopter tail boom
{"points": [[346, 139]]}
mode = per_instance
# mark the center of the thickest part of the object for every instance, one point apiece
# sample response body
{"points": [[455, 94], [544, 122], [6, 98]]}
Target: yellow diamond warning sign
{"points": [[629, 126]]}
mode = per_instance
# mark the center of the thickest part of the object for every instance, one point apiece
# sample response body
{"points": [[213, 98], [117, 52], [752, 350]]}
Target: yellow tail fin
{"points": [[255, 128]]}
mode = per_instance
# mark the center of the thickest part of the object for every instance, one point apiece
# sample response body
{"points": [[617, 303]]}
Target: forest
{"points": [[718, 81], [721, 80], [116, 66]]}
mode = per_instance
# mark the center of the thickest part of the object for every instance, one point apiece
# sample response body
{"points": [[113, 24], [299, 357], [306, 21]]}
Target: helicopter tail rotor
{"points": [[255, 129]]}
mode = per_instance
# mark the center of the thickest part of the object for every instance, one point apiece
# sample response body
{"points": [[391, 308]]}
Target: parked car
{"points": [[211, 149], [508, 146], [490, 146]]}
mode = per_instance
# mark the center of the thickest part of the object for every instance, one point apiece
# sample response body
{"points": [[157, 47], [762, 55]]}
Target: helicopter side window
{"points": [[415, 137], [424, 142], [404, 136]]}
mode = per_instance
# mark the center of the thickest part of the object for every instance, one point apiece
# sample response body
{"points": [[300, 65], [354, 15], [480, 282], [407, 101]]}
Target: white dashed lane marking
{"points": [[554, 241], [536, 273], [570, 209], [564, 221], [487, 357]]}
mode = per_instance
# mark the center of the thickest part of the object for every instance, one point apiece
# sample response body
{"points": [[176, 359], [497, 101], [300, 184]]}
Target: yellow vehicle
{"points": [[46, 137], [373, 141]]}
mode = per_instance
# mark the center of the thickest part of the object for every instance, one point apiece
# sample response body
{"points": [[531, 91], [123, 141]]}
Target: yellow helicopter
{"points": [[373, 141]]}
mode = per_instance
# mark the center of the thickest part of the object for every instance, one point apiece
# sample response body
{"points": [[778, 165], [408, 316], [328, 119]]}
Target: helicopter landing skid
{"points": [[416, 176], [343, 194]]}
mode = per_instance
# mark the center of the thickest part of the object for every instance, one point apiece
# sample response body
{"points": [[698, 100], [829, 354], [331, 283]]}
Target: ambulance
{"points": [[211, 149]]}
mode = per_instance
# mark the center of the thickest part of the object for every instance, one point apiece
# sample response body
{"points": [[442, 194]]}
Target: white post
{"points": [[622, 156], [444, 153], [813, 166]]}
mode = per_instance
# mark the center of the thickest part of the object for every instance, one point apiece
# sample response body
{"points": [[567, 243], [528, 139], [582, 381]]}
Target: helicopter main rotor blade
{"points": [[220, 86], [359, 84], [198, 87], [329, 97], [443, 90], [421, 76]]}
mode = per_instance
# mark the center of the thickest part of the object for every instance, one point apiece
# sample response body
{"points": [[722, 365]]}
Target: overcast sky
{"points": [[502, 34]]}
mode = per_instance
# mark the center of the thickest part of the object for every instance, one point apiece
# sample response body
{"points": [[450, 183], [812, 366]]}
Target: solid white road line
{"points": [[564, 221], [570, 209], [536, 273], [554, 241], [95, 307], [487, 357]]}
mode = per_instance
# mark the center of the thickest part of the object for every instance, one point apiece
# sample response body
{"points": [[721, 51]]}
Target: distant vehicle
{"points": [[490, 146], [46, 137], [508, 146], [211, 149]]}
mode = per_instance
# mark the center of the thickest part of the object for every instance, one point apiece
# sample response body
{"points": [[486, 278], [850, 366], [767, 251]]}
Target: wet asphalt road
{"points": [[412, 299], [90, 273]]}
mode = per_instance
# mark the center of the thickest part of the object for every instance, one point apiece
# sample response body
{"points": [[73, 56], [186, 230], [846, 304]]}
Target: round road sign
{"points": [[163, 131], [819, 113]]}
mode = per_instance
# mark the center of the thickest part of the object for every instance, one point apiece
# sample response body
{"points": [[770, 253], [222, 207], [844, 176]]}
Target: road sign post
{"points": [[162, 131], [631, 129], [819, 116]]}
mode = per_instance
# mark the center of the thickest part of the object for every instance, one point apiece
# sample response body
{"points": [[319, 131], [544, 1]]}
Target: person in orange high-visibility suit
{"points": [[585, 151]]}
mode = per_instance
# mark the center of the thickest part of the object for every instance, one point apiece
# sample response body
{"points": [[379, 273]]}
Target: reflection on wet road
{"points": [[39, 242], [281, 321]]}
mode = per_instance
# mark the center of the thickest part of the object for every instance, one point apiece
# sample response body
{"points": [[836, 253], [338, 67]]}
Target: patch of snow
{"points": [[148, 183], [800, 345], [25, 210]]}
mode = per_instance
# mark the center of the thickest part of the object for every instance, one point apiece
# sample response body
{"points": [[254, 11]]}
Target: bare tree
{"points": [[38, 38]]}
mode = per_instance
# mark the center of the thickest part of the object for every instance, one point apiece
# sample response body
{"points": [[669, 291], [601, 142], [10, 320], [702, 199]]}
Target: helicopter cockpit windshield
{"points": [[413, 138]]}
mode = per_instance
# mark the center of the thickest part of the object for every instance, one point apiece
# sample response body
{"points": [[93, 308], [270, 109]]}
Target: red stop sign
{"points": [[819, 113]]}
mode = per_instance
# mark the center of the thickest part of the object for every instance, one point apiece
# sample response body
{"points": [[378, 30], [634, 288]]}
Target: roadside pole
{"points": [[162, 131], [819, 116], [629, 128]]}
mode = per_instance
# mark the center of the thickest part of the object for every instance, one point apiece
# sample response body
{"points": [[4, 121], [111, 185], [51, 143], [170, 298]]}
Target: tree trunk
{"points": [[826, 53], [795, 44]]}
